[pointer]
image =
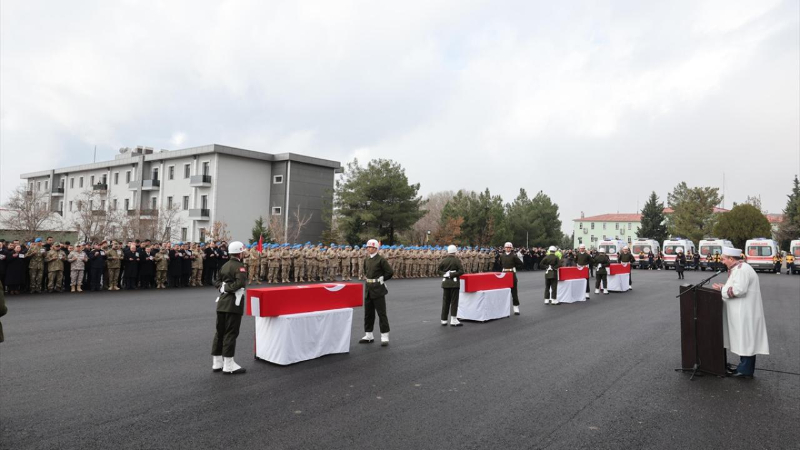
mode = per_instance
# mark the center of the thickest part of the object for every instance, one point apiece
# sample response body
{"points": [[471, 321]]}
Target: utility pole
{"points": [[94, 160]]}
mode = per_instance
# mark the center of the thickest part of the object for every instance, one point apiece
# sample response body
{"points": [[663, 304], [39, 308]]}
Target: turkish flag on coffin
{"points": [[488, 281], [282, 300], [619, 269], [573, 273]]}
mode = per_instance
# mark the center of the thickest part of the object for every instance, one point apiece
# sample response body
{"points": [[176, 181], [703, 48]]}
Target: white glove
{"points": [[447, 274], [380, 279], [222, 288], [239, 295], [599, 266]]}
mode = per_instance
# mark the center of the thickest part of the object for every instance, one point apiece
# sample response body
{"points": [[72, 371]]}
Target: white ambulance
{"points": [[645, 246], [758, 253], [712, 246], [612, 247], [794, 249], [671, 247]]}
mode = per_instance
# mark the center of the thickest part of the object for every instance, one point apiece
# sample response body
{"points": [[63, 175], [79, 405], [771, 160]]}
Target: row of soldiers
{"points": [[284, 263]]}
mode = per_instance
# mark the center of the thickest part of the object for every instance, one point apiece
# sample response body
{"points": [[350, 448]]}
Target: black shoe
{"points": [[384, 343], [217, 370], [741, 375]]}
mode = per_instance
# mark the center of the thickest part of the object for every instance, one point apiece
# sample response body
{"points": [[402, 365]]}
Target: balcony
{"points": [[143, 212], [57, 191], [101, 187], [199, 214], [200, 181], [98, 212], [146, 185]]}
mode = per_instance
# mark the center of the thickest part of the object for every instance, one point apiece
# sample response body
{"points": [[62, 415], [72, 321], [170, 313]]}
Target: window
{"points": [[91, 180], [155, 173], [604, 226], [127, 204], [580, 225], [592, 238], [277, 179], [116, 177], [80, 205], [169, 202], [184, 233], [38, 185], [617, 226], [204, 201], [46, 185], [102, 204], [629, 239], [185, 202], [171, 172], [30, 188], [202, 234], [70, 205], [72, 182], [629, 225], [276, 210], [80, 182], [128, 176], [91, 205], [205, 168], [187, 169], [105, 179], [153, 203], [114, 204], [593, 225]]}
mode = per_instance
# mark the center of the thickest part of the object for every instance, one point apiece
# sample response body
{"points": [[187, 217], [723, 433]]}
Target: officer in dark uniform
{"points": [[680, 263], [231, 282], [584, 259], [550, 265], [628, 258], [601, 263], [450, 269], [377, 270], [510, 262]]}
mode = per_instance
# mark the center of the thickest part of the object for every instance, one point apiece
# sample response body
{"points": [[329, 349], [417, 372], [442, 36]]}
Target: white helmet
{"points": [[507, 245], [373, 243], [235, 248], [552, 248], [582, 246], [451, 249]]}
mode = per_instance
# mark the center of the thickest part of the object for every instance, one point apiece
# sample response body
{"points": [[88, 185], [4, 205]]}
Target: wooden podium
{"points": [[702, 308]]}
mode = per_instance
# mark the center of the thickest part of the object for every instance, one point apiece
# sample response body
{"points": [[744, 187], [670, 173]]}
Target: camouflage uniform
{"points": [[55, 270], [162, 264], [113, 263], [35, 257]]}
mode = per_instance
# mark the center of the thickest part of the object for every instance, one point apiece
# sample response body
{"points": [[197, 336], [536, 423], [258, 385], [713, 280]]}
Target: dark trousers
{"points": [[630, 277], [587, 284], [130, 282], [371, 305], [601, 277], [514, 296], [227, 331], [96, 276], [449, 302], [678, 269], [185, 279], [175, 281], [747, 365], [550, 285]]}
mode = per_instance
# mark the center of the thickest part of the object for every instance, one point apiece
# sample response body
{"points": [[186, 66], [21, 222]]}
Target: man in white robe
{"points": [[743, 326]]}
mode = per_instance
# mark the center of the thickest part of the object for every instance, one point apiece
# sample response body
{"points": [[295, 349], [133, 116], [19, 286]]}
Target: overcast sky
{"points": [[596, 104]]}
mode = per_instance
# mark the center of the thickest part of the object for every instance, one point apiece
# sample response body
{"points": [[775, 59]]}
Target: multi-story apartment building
{"points": [[205, 184]]}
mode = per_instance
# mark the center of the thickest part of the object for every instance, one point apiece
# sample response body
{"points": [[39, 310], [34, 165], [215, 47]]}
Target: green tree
{"points": [[693, 211], [741, 223], [482, 215], [376, 201], [653, 220], [260, 229], [790, 227], [545, 227]]}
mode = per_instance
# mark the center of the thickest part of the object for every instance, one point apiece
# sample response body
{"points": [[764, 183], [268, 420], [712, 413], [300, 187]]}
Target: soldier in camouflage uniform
{"points": [[286, 262], [274, 263], [55, 268], [254, 262], [297, 263], [77, 259], [162, 264], [113, 264], [35, 257], [332, 259], [263, 272], [197, 266]]}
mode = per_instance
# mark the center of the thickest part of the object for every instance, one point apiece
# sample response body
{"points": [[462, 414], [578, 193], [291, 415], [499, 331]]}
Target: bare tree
{"points": [[219, 232], [28, 210], [433, 206], [92, 223], [297, 222], [160, 225], [276, 228]]}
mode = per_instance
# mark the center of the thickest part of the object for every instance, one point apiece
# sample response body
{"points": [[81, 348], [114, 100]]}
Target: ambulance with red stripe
{"points": [[612, 247], [794, 249], [712, 246], [759, 253], [671, 247], [645, 246]]}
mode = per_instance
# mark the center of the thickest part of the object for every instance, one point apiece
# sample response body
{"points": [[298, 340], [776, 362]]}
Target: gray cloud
{"points": [[597, 104]]}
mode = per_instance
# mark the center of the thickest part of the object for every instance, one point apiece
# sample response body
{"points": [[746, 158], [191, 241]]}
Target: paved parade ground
{"points": [[132, 370]]}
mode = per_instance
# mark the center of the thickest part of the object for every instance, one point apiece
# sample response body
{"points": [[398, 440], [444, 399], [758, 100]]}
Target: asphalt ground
{"points": [[132, 370]]}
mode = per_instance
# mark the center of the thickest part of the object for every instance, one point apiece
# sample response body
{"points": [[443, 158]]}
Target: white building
{"points": [[209, 183]]}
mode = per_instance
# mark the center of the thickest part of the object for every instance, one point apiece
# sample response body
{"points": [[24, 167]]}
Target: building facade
{"points": [[212, 183]]}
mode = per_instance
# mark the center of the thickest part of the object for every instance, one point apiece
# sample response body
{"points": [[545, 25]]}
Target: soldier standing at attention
{"points": [[161, 258], [113, 262], [76, 258], [601, 262], [197, 266], [274, 263], [347, 256], [286, 262], [377, 270], [231, 282], [35, 257], [627, 258], [55, 268], [510, 262], [450, 269], [550, 265], [584, 259]]}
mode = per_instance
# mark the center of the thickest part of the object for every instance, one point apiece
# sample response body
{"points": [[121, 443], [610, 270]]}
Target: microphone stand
{"points": [[694, 289]]}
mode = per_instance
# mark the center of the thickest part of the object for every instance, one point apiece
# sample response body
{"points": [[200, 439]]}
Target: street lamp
{"points": [[427, 236]]}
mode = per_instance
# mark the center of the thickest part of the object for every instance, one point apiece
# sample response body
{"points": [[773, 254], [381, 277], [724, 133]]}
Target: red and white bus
{"points": [[759, 253]]}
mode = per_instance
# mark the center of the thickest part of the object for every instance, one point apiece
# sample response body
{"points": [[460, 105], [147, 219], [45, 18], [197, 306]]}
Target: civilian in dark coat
{"points": [[16, 269], [175, 266], [186, 265], [96, 265], [131, 256], [147, 268]]}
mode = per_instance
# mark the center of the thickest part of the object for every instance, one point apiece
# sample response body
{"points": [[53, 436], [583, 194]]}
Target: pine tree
{"points": [[260, 229], [653, 221], [790, 227]]}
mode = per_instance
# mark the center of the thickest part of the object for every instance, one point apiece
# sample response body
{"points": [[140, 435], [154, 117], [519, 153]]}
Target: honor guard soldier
{"points": [[450, 269], [601, 263], [550, 265], [231, 282], [510, 262], [378, 271], [584, 259], [628, 258]]}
